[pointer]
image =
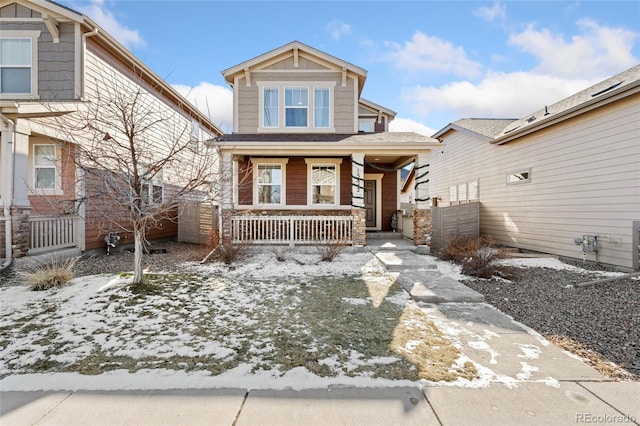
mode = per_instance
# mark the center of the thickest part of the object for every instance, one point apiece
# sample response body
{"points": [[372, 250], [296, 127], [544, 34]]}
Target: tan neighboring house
{"points": [[563, 180], [52, 61], [311, 160]]}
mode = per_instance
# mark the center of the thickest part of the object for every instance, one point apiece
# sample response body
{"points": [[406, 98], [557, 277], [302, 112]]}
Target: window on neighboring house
{"points": [[321, 107], [453, 193], [521, 176], [269, 183], [18, 74], [44, 166], [366, 125], [296, 106], [152, 190], [473, 190], [270, 107], [324, 181]]}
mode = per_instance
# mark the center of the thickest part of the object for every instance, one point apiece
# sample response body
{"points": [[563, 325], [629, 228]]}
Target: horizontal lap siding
{"points": [[585, 180], [296, 182]]}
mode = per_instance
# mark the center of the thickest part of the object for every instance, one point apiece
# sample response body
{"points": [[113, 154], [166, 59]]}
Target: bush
{"points": [[328, 252], [229, 252], [477, 257], [50, 274]]}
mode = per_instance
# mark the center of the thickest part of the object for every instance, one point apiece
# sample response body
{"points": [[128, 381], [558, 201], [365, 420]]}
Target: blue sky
{"points": [[432, 62]]}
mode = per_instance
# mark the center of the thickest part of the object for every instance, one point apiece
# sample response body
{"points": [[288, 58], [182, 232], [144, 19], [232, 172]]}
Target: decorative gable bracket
{"points": [[52, 26]]}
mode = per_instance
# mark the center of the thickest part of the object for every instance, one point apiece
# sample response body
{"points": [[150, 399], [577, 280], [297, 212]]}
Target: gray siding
{"points": [[585, 180], [56, 61]]}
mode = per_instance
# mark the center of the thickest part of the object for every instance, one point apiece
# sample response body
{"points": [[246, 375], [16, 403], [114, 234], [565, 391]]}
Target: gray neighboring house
{"points": [[563, 180]]}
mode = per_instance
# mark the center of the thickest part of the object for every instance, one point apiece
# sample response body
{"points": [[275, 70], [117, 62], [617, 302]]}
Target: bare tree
{"points": [[137, 158]]}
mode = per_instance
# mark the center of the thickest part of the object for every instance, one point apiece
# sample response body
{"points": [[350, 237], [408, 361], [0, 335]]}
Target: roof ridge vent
{"points": [[607, 89]]}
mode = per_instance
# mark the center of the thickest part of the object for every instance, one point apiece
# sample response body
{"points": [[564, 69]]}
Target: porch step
{"points": [[384, 236]]}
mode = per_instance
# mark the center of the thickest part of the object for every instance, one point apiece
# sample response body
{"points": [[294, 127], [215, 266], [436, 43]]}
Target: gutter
{"points": [[7, 138]]}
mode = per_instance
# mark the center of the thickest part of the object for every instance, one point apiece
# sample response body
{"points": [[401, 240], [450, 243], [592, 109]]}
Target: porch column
{"points": [[357, 199], [20, 205], [357, 180], [226, 194], [422, 212]]}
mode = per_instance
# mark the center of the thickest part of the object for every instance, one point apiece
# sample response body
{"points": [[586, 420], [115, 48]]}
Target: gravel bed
{"points": [[600, 323]]}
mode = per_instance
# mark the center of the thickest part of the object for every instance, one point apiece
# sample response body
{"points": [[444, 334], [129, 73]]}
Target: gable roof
{"points": [[489, 128], [376, 109], [294, 49], [117, 50], [609, 90]]}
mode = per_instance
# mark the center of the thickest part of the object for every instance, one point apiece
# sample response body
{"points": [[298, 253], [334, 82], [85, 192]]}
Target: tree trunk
{"points": [[138, 242]]}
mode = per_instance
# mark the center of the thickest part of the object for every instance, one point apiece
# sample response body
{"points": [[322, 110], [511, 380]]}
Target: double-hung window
{"points": [[269, 183], [296, 106], [18, 60], [44, 166], [152, 189], [324, 181], [291, 107]]}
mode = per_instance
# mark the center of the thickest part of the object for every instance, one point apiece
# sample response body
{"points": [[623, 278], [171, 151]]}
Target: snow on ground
{"points": [[91, 315]]}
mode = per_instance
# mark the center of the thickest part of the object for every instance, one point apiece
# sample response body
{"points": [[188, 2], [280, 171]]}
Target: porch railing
{"points": [[292, 229], [48, 233]]}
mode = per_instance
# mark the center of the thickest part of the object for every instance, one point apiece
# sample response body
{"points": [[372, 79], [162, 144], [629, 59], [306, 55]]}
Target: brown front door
{"points": [[370, 203]]}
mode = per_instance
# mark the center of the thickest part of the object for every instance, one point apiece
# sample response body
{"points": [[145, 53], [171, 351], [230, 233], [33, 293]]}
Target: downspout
{"points": [[85, 36], [7, 196]]}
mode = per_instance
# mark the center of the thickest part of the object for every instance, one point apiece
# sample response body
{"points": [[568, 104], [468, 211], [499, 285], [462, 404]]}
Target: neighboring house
{"points": [[311, 160], [555, 179], [53, 60]]}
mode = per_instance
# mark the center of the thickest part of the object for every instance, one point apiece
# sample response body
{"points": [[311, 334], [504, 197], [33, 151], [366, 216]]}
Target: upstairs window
{"points": [[366, 125], [44, 166], [18, 63], [321, 107], [296, 106], [270, 107], [292, 107]]}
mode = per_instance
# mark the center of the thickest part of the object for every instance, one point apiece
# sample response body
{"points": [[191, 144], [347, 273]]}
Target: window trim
{"points": [[519, 181], [56, 189], [371, 121], [336, 162], [33, 35], [255, 162], [281, 86]]}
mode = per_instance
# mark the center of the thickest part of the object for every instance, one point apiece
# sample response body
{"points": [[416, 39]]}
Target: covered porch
{"points": [[280, 189]]}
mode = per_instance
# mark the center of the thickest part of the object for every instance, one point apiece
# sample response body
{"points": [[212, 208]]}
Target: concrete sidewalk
{"points": [[526, 404]]}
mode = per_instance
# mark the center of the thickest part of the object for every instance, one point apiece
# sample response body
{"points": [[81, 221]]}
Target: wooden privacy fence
{"points": [[47, 233], [259, 229], [459, 221]]}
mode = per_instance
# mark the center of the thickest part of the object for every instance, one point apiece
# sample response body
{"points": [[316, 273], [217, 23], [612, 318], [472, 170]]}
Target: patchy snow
{"points": [[90, 313]]}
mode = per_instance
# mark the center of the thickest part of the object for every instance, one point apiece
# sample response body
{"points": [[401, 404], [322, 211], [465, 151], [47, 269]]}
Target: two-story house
{"points": [[53, 62], [309, 159]]}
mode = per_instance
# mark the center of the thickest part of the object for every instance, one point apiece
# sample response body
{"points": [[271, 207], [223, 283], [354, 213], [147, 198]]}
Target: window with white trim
{"points": [[289, 106], [269, 181], [270, 107], [44, 166], [324, 181], [521, 176], [18, 63], [366, 125], [296, 106]]}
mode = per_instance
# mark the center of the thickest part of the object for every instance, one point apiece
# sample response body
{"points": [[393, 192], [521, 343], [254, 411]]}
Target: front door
{"points": [[370, 203]]}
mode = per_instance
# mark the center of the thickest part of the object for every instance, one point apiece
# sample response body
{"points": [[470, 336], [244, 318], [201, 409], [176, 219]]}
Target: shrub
{"points": [[477, 257], [49, 274], [330, 251], [229, 252]]}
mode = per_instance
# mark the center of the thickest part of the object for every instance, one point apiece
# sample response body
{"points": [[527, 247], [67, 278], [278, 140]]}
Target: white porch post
{"points": [[422, 199], [357, 180], [227, 180]]}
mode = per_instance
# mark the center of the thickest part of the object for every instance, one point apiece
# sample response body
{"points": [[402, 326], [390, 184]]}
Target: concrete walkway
{"points": [[524, 380]]}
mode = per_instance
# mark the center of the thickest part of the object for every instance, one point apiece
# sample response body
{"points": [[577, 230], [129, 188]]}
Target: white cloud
{"points": [[338, 29], [429, 53], [407, 125], [497, 12], [498, 95], [98, 12], [597, 52], [214, 101]]}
